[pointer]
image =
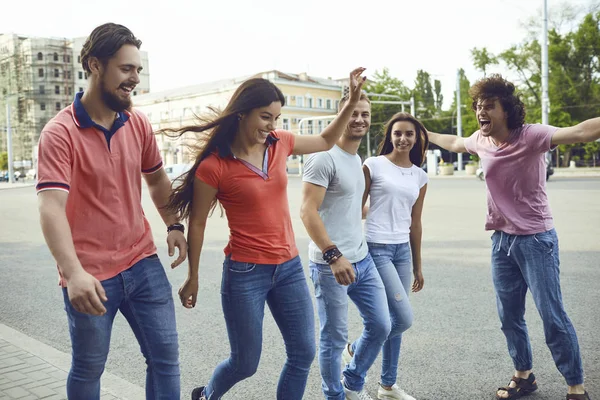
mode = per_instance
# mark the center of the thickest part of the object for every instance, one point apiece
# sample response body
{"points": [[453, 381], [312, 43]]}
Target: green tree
{"points": [[3, 161], [382, 87], [482, 58]]}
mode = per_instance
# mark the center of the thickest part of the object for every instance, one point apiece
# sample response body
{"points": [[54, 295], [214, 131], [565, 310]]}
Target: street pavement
{"points": [[454, 350]]}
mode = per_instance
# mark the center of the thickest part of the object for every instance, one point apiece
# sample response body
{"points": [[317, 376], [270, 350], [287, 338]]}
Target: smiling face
{"points": [[491, 117], [403, 136], [360, 121], [260, 122], [117, 78]]}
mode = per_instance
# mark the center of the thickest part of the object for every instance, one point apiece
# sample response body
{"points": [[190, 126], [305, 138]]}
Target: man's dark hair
{"points": [[495, 87], [104, 42]]}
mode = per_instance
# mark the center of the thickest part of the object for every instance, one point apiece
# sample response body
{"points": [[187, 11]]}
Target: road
{"points": [[455, 349]]}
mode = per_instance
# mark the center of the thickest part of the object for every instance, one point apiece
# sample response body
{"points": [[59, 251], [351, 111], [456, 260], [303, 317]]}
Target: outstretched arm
{"points": [[452, 143], [586, 131]]}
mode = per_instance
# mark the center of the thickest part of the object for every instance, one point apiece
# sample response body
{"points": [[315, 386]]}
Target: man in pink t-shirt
{"points": [[524, 244]]}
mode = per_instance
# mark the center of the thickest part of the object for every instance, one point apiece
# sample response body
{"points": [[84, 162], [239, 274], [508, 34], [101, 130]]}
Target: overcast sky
{"points": [[195, 41]]}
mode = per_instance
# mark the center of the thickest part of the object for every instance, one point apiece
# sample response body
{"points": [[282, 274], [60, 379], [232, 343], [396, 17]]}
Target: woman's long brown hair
{"points": [[216, 132]]}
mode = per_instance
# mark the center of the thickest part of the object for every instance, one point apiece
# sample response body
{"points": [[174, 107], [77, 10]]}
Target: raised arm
{"points": [[85, 292], [312, 198], [204, 196], [306, 144], [586, 131], [452, 143]]}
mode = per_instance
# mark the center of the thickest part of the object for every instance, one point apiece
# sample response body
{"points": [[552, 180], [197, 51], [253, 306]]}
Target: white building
{"points": [[306, 97]]}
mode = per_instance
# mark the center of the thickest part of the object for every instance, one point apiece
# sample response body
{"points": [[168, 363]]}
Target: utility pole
{"points": [[545, 99], [458, 118], [11, 173]]}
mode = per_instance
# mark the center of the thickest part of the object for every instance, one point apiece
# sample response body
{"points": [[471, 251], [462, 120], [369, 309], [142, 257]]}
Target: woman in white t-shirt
{"points": [[396, 185]]}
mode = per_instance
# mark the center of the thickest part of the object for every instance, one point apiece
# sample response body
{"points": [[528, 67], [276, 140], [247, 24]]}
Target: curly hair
{"points": [[496, 87]]}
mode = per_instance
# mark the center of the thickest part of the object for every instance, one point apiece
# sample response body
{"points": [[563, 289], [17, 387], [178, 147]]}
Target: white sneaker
{"points": [[352, 395], [395, 393], [346, 356]]}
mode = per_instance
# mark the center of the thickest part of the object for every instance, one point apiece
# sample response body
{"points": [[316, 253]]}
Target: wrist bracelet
{"points": [[175, 227], [331, 254]]}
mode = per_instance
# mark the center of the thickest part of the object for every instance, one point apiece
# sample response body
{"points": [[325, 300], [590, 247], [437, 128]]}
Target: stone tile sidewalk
{"points": [[30, 369]]}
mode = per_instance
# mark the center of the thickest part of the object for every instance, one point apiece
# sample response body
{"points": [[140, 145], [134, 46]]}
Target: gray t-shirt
{"points": [[341, 211]]}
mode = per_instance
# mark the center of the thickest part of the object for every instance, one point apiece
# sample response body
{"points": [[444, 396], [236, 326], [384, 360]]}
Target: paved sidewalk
{"points": [[30, 369]]}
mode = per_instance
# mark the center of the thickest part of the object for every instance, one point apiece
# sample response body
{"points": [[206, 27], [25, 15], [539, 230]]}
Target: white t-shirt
{"points": [[394, 191]]}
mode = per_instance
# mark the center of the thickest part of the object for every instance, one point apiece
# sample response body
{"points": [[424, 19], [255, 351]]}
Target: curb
{"points": [[111, 384]]}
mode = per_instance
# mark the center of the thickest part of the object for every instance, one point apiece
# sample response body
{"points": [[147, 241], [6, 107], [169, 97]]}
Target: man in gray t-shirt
{"points": [[340, 264]]}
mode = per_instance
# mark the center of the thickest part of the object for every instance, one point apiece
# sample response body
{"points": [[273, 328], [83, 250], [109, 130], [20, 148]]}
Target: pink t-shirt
{"points": [[515, 175]]}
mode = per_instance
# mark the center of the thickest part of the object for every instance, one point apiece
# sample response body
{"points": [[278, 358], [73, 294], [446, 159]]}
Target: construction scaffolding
{"points": [[36, 81]]}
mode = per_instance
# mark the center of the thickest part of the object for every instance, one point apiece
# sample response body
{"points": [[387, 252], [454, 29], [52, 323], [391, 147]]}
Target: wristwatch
{"points": [[175, 227]]}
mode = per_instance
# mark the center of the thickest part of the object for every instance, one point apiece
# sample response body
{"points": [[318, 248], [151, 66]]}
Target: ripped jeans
{"points": [[394, 264], [522, 262]]}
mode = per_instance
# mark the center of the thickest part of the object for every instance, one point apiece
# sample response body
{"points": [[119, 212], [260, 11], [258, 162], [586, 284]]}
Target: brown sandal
{"points": [[523, 387], [584, 396]]}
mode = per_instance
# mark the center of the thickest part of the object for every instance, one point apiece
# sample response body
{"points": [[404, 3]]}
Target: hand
{"points": [[176, 238], [419, 281], [86, 293], [343, 271], [188, 292], [356, 83]]}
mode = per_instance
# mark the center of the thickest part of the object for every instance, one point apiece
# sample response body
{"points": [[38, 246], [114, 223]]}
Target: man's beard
{"points": [[112, 101]]}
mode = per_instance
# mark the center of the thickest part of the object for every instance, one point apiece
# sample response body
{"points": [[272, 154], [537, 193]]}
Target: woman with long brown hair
{"points": [[242, 165], [396, 185]]}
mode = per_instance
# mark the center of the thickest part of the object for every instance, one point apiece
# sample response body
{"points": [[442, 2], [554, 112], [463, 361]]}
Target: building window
{"points": [[41, 57], [4, 91], [57, 106], [70, 91], [78, 59], [43, 106], [41, 72], [287, 100], [337, 104], [56, 73], [56, 89], [68, 74], [55, 56], [299, 101], [286, 124], [80, 74], [319, 126], [328, 104], [81, 89], [85, 75], [134, 93], [319, 103], [310, 127], [309, 102], [42, 90]]}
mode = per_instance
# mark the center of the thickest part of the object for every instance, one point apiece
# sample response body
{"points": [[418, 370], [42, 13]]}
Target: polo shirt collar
{"points": [[83, 120]]}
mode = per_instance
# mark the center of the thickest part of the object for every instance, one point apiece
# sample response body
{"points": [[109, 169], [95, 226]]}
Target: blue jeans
{"points": [[393, 262], [245, 288], [368, 293], [521, 262], [143, 295]]}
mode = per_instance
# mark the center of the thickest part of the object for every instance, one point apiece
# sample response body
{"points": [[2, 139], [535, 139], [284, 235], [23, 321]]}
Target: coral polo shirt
{"points": [[101, 170]]}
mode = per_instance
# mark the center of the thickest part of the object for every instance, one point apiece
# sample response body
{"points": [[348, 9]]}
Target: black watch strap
{"points": [[175, 227]]}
